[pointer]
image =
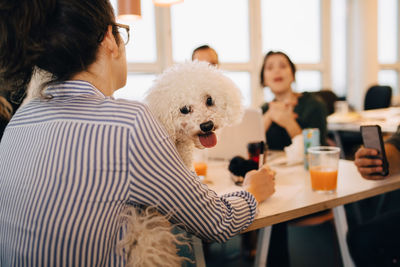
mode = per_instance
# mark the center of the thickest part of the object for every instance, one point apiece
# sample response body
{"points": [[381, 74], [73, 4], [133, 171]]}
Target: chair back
{"points": [[329, 98], [233, 140], [378, 96]]}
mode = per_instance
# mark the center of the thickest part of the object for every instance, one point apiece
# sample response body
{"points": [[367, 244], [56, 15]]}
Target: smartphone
{"points": [[372, 138]]}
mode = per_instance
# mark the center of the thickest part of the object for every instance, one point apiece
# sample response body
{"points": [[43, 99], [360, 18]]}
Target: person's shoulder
{"points": [[125, 105], [128, 109]]}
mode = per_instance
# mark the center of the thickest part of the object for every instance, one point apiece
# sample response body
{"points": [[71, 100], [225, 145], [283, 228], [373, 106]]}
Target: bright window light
{"points": [[389, 77], [294, 27], [222, 24], [387, 31]]}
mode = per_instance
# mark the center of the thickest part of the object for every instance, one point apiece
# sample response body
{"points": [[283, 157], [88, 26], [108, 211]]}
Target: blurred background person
{"points": [[284, 119], [290, 112], [206, 53]]}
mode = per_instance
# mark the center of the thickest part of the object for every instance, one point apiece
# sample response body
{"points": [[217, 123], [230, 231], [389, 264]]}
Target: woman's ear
{"points": [[109, 42]]}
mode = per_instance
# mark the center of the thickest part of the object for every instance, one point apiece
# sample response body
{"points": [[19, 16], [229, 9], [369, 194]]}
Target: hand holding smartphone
{"points": [[372, 138]]}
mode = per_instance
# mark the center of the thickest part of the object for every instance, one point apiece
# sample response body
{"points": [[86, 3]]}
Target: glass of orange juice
{"points": [[200, 163], [323, 165]]}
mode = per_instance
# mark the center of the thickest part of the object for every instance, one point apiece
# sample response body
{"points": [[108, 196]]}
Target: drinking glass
{"points": [[323, 165], [200, 163]]}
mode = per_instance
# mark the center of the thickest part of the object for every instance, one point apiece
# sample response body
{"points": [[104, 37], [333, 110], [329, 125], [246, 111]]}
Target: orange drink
{"points": [[323, 165], [200, 168], [323, 179]]}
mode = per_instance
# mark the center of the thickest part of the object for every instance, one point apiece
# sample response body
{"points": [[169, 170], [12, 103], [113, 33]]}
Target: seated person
{"points": [[284, 119], [206, 53], [290, 112], [377, 241]]}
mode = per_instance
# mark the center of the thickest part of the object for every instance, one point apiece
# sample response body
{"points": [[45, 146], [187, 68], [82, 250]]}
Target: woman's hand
{"points": [[260, 183], [282, 114], [368, 166]]}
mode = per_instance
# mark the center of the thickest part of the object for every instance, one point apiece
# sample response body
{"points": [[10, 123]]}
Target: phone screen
{"points": [[372, 138]]}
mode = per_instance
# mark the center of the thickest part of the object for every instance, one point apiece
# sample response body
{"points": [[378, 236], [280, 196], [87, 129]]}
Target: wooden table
{"points": [[294, 198]]}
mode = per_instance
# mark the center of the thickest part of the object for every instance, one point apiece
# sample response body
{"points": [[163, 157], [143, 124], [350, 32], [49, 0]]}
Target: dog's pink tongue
{"points": [[208, 140]]}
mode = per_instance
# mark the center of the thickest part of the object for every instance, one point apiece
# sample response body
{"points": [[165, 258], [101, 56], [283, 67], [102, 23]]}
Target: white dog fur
{"points": [[192, 94]]}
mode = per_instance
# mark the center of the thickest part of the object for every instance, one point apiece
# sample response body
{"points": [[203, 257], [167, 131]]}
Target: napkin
{"points": [[295, 152]]}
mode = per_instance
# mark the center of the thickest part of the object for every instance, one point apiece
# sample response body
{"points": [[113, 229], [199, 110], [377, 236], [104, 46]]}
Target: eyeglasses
{"points": [[123, 31]]}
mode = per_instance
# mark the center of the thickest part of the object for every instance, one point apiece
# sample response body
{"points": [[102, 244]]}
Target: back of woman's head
{"points": [[59, 36]]}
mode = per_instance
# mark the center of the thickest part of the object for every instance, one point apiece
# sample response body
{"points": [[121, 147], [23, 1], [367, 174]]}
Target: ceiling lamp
{"points": [[129, 10], [166, 2]]}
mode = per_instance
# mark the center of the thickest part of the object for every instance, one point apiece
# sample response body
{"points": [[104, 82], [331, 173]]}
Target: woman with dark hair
{"points": [[74, 159], [290, 112], [284, 119]]}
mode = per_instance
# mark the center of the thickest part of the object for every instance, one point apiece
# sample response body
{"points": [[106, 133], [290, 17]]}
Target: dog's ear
{"points": [[161, 109]]}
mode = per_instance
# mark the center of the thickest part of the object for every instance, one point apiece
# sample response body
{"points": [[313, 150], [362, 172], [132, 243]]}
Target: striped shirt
{"points": [[69, 165]]}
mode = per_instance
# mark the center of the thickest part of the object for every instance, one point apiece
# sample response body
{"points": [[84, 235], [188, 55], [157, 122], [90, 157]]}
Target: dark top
{"points": [[395, 139], [312, 114]]}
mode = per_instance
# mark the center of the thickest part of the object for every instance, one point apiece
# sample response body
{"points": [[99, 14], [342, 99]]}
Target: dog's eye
{"points": [[210, 101], [185, 110]]}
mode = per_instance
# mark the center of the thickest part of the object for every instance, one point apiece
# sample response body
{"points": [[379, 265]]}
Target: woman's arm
{"points": [[158, 177]]}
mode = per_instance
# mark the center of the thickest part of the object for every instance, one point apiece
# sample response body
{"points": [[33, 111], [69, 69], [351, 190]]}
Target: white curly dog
{"points": [[191, 100]]}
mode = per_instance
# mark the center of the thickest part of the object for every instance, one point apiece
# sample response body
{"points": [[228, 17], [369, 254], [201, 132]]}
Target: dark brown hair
{"points": [[271, 53], [59, 36]]}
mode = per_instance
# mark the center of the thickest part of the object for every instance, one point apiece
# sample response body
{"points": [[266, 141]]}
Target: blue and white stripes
{"points": [[69, 165]]}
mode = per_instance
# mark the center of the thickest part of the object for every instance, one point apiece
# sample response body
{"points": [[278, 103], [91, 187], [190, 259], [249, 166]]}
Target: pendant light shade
{"points": [[129, 10], [166, 2]]}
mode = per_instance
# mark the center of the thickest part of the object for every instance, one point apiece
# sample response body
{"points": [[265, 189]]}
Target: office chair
{"points": [[378, 96]]}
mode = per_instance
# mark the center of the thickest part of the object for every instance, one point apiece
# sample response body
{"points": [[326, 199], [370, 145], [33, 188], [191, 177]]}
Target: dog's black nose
{"points": [[207, 126]]}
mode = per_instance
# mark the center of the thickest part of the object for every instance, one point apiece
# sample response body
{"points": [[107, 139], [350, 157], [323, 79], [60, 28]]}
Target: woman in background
{"points": [[290, 112], [72, 161], [284, 119]]}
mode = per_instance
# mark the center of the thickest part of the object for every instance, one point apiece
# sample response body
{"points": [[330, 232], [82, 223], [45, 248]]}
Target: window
{"points": [[241, 31], [222, 24], [308, 81], [295, 30], [136, 86], [338, 44], [388, 45], [142, 44], [389, 77], [387, 31]]}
